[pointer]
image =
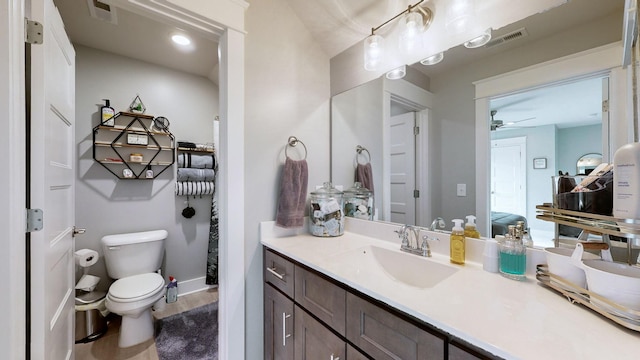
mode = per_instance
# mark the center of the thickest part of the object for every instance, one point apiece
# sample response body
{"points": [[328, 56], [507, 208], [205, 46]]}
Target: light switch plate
{"points": [[461, 190]]}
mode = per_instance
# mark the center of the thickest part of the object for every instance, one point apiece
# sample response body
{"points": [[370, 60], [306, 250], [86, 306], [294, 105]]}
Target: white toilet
{"points": [[132, 260]]}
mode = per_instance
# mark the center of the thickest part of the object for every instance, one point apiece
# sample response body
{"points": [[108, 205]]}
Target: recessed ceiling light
{"points": [[181, 39], [433, 59], [478, 41]]}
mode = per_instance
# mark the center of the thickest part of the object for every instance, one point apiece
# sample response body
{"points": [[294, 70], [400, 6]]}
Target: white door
{"points": [[52, 187], [508, 176], [403, 165]]}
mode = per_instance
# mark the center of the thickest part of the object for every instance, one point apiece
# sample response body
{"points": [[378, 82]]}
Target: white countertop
{"points": [[511, 319]]}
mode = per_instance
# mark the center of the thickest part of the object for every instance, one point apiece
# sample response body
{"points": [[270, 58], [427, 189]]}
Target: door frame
{"points": [[605, 60], [224, 18]]}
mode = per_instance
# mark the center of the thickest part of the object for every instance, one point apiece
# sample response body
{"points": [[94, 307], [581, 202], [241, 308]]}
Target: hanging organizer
{"points": [[197, 167]]}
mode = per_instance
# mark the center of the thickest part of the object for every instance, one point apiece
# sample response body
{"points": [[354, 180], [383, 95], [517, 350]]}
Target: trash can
{"points": [[91, 312]]}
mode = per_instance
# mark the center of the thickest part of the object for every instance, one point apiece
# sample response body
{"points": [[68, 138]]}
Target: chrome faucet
{"points": [[437, 222], [407, 245]]}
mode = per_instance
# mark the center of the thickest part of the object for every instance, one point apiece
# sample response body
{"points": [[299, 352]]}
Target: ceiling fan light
{"points": [[373, 52], [479, 40], [397, 73], [433, 59]]}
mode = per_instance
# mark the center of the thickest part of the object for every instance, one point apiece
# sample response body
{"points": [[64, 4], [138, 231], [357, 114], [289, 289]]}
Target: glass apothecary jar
{"points": [[325, 212], [358, 202]]}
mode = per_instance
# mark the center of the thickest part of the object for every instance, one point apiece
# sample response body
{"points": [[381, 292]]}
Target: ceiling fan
{"points": [[497, 124]]}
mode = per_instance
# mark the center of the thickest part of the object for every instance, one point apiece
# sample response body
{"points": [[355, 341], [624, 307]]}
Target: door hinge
{"points": [[34, 220], [416, 193], [416, 130], [605, 105], [34, 32]]}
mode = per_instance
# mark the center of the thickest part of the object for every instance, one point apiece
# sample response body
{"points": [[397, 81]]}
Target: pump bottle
{"points": [[470, 229], [457, 243], [107, 113]]}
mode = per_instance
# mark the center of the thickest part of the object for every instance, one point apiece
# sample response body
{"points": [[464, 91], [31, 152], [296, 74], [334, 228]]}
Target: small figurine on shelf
{"points": [[137, 106]]}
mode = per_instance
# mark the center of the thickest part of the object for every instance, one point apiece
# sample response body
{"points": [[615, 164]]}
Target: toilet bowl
{"points": [[132, 298], [132, 260]]}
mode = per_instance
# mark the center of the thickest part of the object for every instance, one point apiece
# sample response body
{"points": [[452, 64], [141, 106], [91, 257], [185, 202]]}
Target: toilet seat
{"points": [[137, 287]]}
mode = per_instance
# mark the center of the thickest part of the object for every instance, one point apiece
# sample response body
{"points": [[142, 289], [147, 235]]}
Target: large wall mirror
{"points": [[442, 161]]}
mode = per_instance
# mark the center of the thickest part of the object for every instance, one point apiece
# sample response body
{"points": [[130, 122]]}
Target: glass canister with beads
{"points": [[358, 202], [325, 213]]}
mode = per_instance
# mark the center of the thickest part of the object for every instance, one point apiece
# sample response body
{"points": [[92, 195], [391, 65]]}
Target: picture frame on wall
{"points": [[540, 163]]}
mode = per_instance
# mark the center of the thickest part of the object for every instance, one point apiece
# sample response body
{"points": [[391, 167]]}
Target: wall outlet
{"points": [[461, 190]]}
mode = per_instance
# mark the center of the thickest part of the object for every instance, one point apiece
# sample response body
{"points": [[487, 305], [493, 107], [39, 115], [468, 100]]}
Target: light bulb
{"points": [[397, 73], [412, 28], [373, 52]]}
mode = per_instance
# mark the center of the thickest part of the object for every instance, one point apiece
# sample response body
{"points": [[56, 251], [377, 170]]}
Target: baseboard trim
{"points": [[191, 286]]}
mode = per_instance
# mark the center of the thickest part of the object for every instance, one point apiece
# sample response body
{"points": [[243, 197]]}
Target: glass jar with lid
{"points": [[358, 202], [325, 212]]}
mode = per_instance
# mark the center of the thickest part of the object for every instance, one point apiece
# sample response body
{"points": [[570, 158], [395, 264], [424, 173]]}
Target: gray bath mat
{"points": [[189, 335]]}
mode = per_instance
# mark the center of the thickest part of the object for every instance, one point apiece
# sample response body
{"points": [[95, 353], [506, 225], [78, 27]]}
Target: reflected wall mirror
{"points": [[457, 178], [587, 163]]}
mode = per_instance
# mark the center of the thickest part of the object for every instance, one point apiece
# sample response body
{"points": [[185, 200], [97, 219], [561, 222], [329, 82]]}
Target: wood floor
{"points": [[106, 347]]}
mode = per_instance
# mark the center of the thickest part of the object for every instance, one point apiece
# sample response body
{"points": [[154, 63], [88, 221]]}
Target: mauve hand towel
{"points": [[293, 194], [364, 175]]}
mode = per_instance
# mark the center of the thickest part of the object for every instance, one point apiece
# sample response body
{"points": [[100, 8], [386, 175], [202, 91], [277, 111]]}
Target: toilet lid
{"points": [[133, 287]]}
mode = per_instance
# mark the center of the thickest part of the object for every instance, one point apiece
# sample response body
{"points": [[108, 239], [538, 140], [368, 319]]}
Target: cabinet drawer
{"points": [[279, 272], [322, 298], [383, 335], [314, 341]]}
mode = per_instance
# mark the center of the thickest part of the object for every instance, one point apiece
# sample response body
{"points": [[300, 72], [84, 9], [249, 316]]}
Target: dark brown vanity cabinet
{"points": [[310, 316]]}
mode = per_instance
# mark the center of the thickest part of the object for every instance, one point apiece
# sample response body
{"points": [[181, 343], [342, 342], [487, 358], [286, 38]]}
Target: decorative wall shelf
{"points": [[132, 135]]}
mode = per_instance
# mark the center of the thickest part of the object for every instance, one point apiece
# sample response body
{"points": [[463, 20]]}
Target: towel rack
{"points": [[292, 142], [360, 149]]}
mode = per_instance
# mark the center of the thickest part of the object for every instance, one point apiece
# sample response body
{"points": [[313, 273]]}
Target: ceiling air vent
{"points": [[514, 35], [102, 11]]}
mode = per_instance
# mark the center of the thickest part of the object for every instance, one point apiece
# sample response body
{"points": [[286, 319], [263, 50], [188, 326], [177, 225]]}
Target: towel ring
{"points": [[359, 150], [293, 141]]}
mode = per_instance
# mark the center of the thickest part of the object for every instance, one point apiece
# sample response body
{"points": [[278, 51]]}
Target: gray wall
{"points": [[453, 143], [575, 142], [106, 205], [287, 93]]}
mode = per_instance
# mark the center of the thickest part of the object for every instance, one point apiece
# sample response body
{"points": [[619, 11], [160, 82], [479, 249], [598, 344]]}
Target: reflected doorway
{"points": [[560, 122]]}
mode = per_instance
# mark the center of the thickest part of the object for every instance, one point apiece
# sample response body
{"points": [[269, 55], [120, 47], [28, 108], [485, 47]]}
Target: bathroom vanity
{"points": [[357, 296]]}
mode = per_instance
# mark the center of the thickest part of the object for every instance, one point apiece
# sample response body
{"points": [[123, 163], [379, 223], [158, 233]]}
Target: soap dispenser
{"points": [[457, 243], [470, 229]]}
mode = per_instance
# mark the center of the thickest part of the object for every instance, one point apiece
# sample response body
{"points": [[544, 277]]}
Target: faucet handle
{"points": [[425, 238]]}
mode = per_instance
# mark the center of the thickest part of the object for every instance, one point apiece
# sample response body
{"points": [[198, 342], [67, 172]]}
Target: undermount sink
{"points": [[408, 269]]}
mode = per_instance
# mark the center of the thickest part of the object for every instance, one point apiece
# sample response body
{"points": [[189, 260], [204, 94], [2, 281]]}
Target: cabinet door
{"points": [[278, 325], [323, 299], [353, 354], [314, 341], [279, 272], [460, 351], [383, 335]]}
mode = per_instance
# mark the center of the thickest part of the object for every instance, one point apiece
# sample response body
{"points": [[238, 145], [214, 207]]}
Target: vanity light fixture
{"points": [[433, 59], [458, 14], [479, 40], [397, 73], [416, 21], [180, 39]]}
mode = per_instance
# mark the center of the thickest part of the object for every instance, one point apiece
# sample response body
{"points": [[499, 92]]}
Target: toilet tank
{"points": [[133, 253]]}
